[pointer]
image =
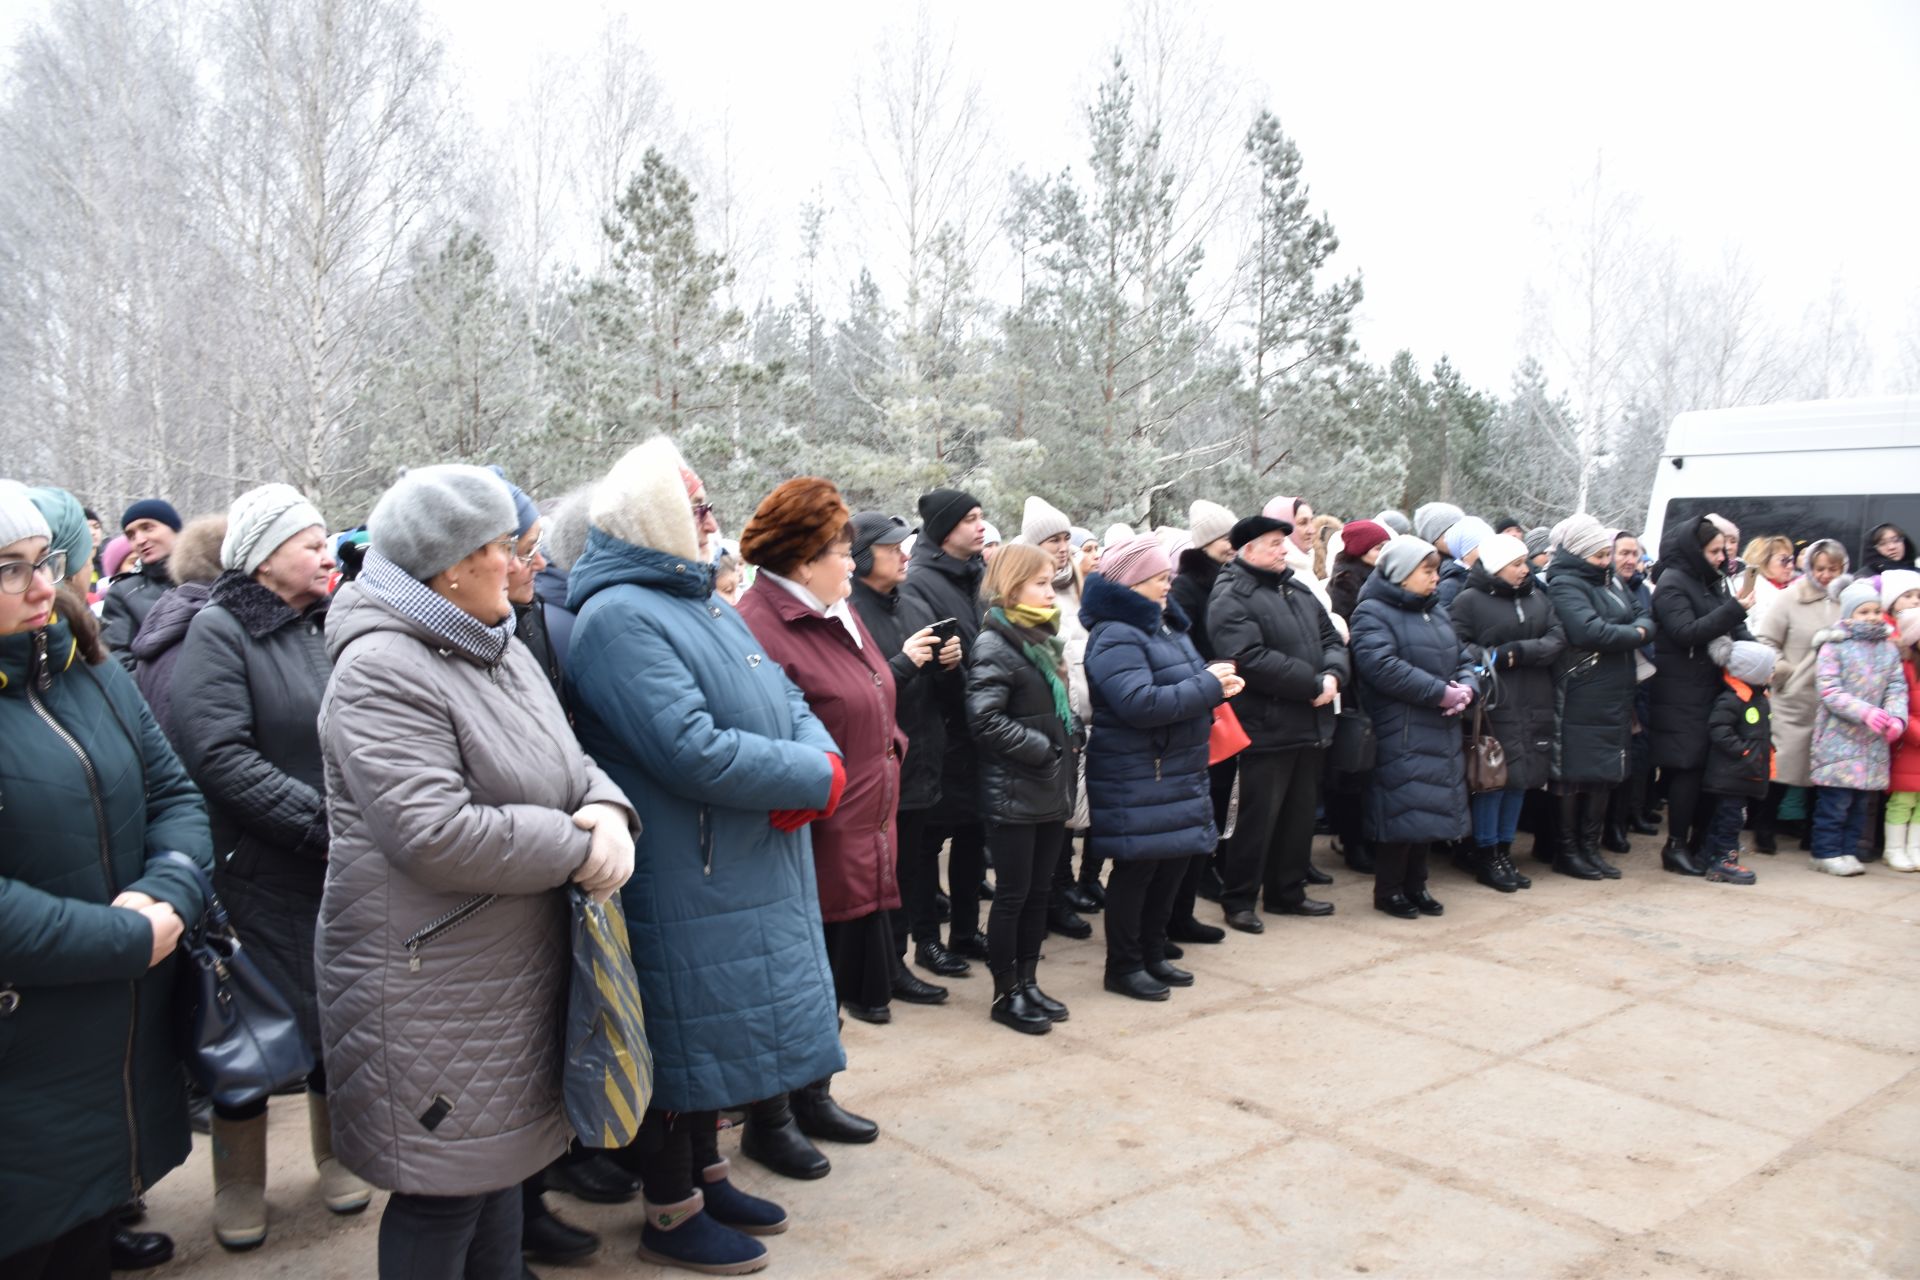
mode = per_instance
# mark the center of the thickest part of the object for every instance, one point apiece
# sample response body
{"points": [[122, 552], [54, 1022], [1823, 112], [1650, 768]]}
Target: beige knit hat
{"points": [[1208, 522]]}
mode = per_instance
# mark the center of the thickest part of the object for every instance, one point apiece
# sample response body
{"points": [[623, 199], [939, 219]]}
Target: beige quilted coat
{"points": [[1792, 620], [441, 1013]]}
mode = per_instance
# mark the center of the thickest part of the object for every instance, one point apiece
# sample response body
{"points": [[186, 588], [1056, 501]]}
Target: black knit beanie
{"points": [[941, 510]]}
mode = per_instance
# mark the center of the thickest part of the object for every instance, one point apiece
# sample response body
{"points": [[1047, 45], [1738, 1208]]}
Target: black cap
{"points": [[942, 509], [875, 529], [1254, 526]]}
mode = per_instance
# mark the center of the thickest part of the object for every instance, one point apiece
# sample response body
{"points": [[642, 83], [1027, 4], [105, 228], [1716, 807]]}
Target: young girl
{"points": [[1028, 744], [1900, 593], [1863, 710]]}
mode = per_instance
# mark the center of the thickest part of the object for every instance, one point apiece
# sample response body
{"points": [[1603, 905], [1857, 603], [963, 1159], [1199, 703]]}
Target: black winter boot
{"points": [[1487, 869], [1679, 859], [1570, 858], [772, 1138], [1029, 970], [819, 1116], [1593, 818], [1505, 853], [1013, 1007]]}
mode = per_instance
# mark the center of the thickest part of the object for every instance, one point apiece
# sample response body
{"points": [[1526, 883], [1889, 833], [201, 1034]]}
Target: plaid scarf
{"points": [[415, 601]]}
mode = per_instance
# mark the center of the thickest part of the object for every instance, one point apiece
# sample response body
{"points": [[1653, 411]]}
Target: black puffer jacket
{"points": [[1283, 643], [950, 588], [890, 618], [1517, 628], [1740, 762], [1029, 761], [1594, 680], [1192, 589], [156, 649], [129, 598], [248, 686], [1692, 605], [1405, 653], [1350, 574]]}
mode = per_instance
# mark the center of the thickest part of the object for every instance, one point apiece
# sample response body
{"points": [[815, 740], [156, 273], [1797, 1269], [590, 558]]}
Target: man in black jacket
{"points": [[151, 525], [902, 626], [1284, 645], [944, 575]]}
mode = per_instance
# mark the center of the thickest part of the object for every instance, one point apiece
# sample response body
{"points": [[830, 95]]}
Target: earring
{"points": [[453, 584]]}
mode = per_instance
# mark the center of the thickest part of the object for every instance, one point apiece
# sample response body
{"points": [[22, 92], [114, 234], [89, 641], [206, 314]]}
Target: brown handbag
{"points": [[1486, 758]]}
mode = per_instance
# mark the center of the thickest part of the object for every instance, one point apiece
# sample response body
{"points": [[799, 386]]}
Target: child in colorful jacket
{"points": [[1863, 711], [1740, 755]]}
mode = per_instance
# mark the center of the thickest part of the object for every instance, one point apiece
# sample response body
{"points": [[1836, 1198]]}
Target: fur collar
{"points": [[1107, 601], [258, 610]]}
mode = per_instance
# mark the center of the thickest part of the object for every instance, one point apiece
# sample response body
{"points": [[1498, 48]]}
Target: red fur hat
{"points": [[793, 524]]}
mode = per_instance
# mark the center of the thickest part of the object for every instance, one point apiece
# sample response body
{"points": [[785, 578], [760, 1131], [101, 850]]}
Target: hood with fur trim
{"points": [[643, 501], [196, 552]]}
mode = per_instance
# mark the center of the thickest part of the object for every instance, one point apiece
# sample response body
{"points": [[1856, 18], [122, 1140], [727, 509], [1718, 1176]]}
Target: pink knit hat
{"points": [[1132, 561], [1281, 508]]}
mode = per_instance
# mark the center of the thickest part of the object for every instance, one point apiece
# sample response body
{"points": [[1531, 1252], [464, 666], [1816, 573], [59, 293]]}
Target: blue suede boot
{"points": [[730, 1206], [680, 1235]]}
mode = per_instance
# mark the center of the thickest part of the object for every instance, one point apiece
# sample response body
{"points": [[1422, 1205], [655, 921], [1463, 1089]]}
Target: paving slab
{"points": [[1630, 1164]]}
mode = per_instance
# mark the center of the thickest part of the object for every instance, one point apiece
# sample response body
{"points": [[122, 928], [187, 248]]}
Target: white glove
{"points": [[609, 850]]}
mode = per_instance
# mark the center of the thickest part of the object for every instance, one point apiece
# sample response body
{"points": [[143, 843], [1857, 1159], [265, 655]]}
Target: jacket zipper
{"points": [[452, 920], [706, 845], [106, 872]]}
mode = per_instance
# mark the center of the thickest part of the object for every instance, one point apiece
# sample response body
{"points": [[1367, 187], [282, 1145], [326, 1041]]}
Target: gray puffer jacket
{"points": [[446, 780]]}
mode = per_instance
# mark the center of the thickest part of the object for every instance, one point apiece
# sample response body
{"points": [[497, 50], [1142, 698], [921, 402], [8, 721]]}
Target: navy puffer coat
{"points": [[1153, 701], [1405, 653]]}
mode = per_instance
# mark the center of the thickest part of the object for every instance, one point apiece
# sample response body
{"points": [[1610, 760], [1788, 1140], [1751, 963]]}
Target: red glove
{"points": [[839, 785], [791, 819]]}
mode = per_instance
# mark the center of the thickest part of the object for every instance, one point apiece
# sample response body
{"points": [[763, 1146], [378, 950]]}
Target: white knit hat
{"points": [[1208, 522], [1501, 550], [1895, 583], [1040, 520], [260, 520], [1114, 533], [19, 517]]}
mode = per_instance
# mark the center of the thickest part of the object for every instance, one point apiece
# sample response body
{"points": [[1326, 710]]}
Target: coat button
{"points": [[876, 678]]}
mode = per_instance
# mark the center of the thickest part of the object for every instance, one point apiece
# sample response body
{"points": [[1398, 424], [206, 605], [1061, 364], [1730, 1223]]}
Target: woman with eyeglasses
{"points": [[247, 687], [93, 1107], [1771, 557], [460, 808], [1888, 547]]}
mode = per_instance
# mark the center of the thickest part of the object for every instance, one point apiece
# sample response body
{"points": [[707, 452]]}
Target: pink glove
{"points": [[1878, 721], [1896, 730], [1455, 699]]}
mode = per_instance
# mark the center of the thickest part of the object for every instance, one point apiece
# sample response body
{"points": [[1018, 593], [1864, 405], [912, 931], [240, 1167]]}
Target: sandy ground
{"points": [[1652, 1077]]}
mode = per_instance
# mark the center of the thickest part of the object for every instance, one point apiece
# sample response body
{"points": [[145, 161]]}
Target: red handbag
{"points": [[1227, 739]]}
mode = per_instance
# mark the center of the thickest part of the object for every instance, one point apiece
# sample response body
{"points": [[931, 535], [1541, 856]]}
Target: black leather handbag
{"points": [[232, 1028], [1353, 749]]}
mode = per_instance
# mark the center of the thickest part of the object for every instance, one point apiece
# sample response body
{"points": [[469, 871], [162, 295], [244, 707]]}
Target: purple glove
{"points": [[1879, 721], [1455, 699]]}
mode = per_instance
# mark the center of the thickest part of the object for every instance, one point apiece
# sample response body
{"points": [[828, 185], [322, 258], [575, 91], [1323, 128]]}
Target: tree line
{"points": [[264, 239]]}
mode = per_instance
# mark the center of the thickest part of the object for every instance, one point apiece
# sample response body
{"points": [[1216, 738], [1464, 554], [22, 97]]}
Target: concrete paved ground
{"points": [[1654, 1077]]}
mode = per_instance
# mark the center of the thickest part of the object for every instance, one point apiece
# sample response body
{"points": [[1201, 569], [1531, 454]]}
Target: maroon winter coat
{"points": [[851, 689]]}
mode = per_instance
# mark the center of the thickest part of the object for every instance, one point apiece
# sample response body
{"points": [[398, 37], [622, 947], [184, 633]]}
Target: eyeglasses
{"points": [[17, 575], [701, 510]]}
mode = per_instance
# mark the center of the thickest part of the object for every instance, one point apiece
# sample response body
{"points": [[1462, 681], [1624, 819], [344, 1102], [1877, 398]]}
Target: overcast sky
{"points": [[1434, 134]]}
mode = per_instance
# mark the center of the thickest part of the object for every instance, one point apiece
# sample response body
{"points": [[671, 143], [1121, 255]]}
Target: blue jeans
{"points": [[1839, 816], [1496, 816]]}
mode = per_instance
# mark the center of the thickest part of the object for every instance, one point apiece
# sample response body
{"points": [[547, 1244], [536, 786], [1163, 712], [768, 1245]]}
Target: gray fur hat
{"points": [[435, 517], [1752, 662]]}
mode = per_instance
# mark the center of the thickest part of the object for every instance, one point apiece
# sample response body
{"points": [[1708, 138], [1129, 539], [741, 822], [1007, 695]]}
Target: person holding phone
{"points": [[921, 649], [1147, 789]]}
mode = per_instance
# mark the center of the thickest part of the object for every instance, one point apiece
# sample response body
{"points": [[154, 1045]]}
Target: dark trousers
{"points": [[80, 1254], [452, 1237], [1723, 829], [670, 1151], [1023, 858], [1398, 867], [1684, 825], [966, 867], [1278, 791], [1140, 898], [1839, 816], [918, 868]]}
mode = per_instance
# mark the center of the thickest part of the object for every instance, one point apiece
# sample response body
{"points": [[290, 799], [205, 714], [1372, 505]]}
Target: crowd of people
{"points": [[395, 750]]}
